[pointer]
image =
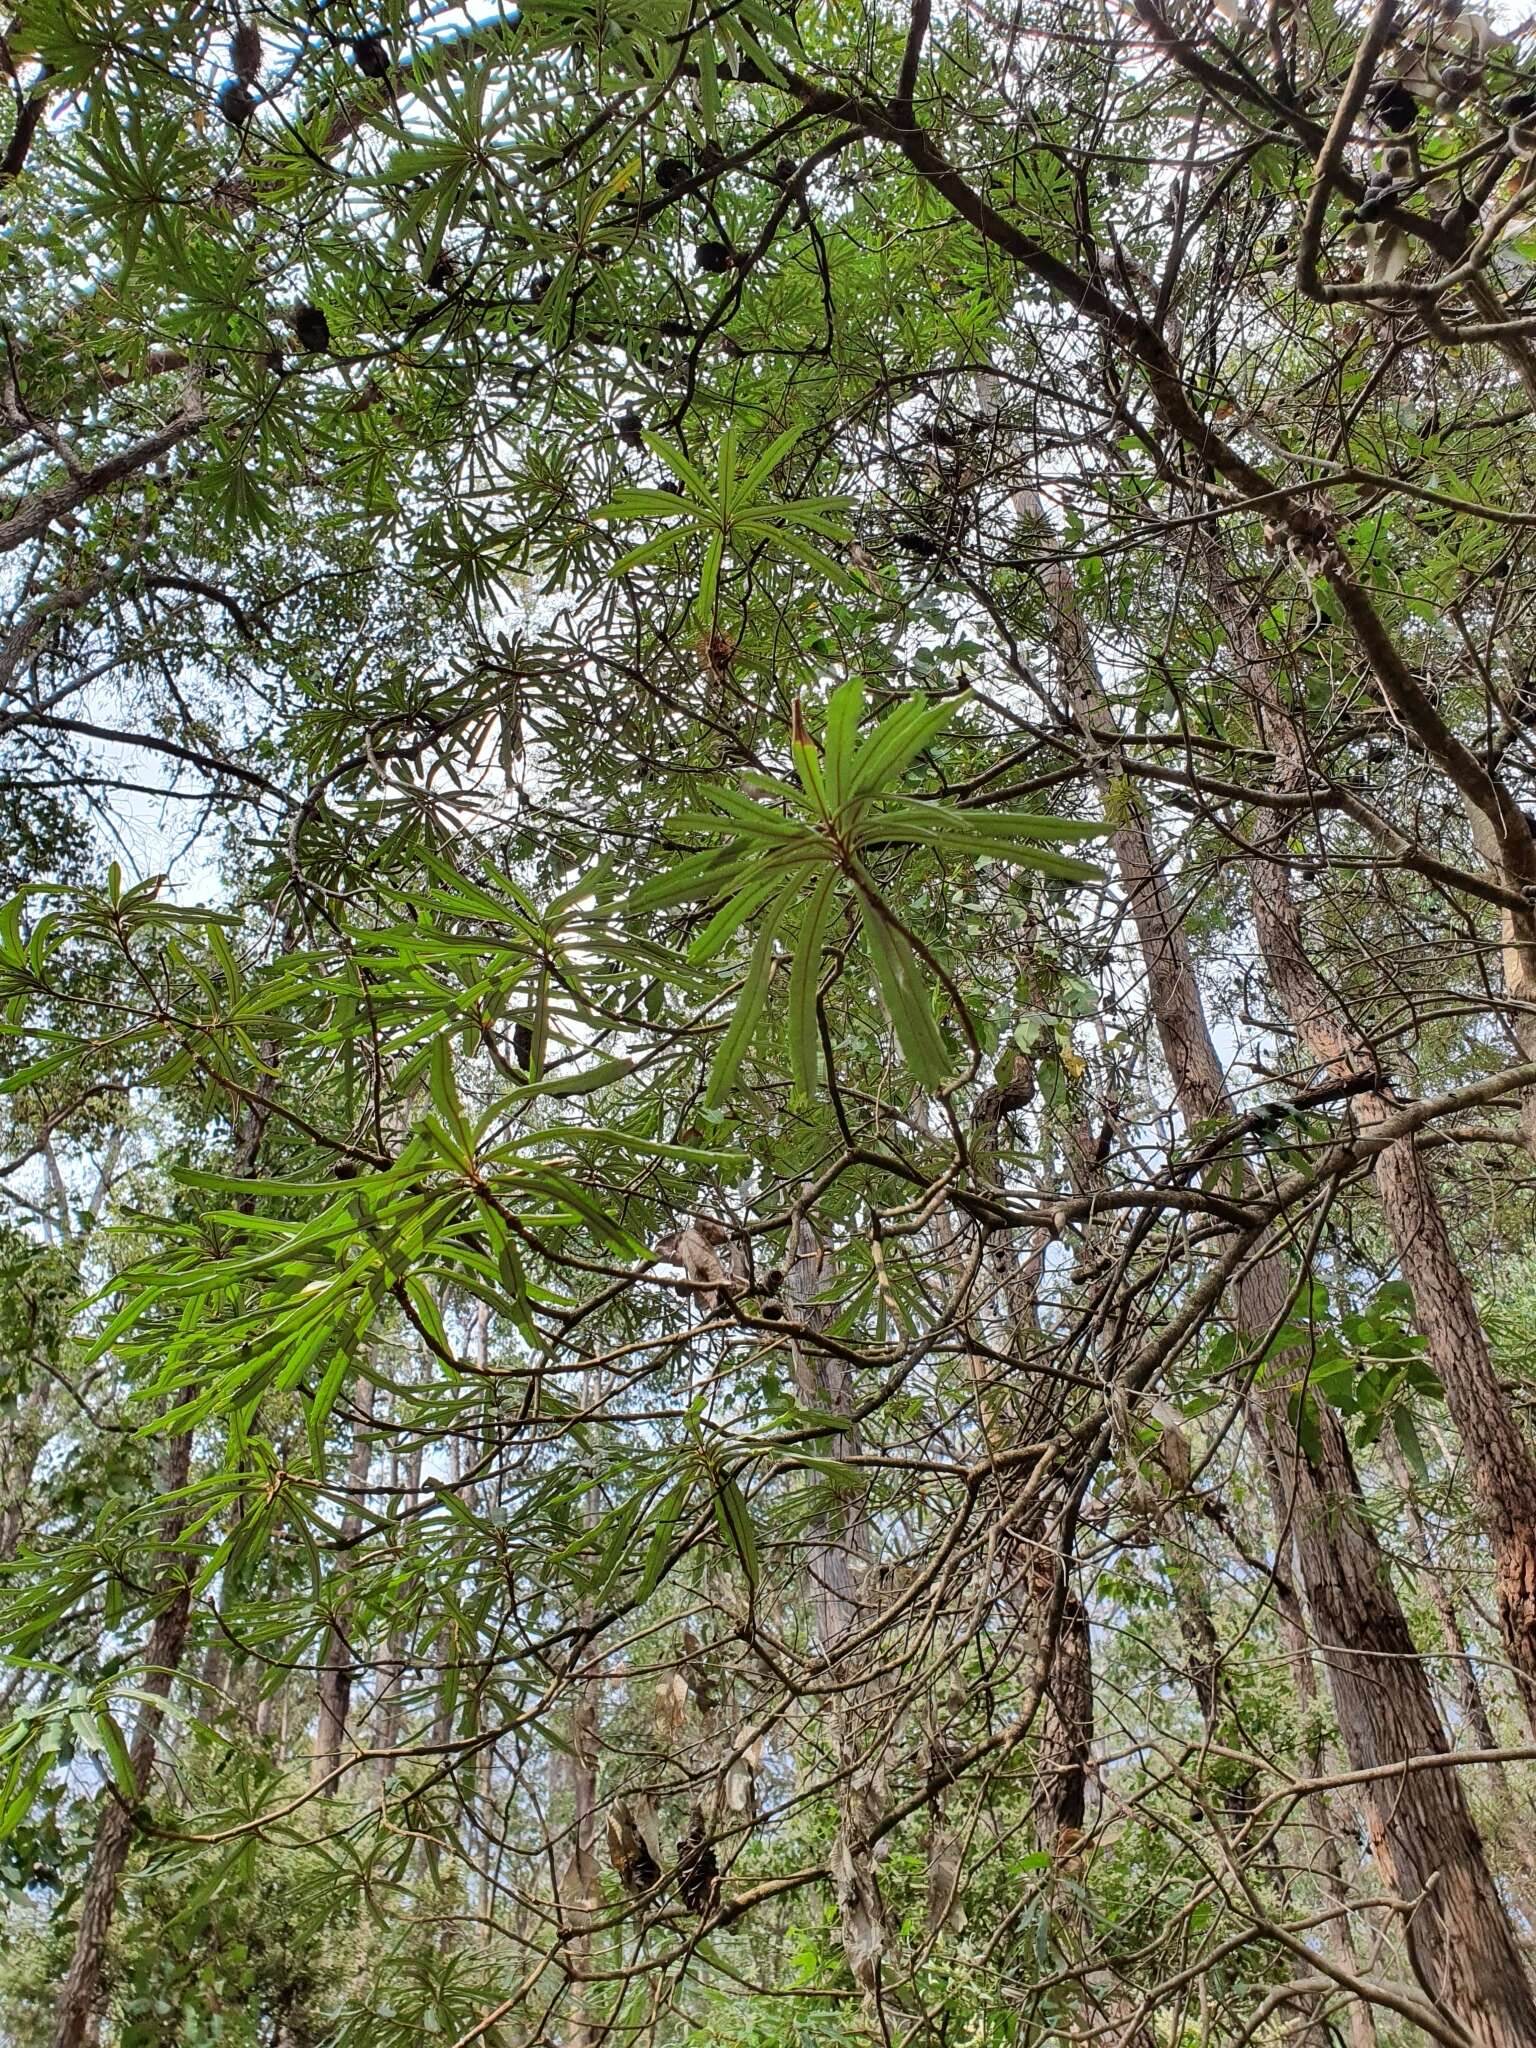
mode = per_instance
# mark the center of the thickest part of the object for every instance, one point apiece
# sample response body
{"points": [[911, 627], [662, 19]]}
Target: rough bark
{"points": [[1065, 1748], [1499, 1457], [1063, 1738], [1468, 1692], [21, 1439], [1426, 1847], [579, 1882], [75, 2012], [334, 1684], [80, 1989], [836, 1567], [1328, 1843]]}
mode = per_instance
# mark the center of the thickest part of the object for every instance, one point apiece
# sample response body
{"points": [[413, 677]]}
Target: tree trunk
{"points": [[1320, 1810], [21, 1439], [1468, 1692], [1499, 1457], [334, 1685], [389, 1701], [1425, 1844], [837, 1557], [74, 2015], [1064, 1752], [162, 1657], [579, 1884]]}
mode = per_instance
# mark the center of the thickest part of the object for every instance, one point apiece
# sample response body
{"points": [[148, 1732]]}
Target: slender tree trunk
{"points": [[1063, 1739], [266, 1711], [162, 1656], [74, 2015], [213, 1682], [390, 1703], [449, 1659], [334, 1686], [1064, 1750], [1468, 1692], [837, 1555], [1428, 1850], [579, 1882], [1499, 1456], [1197, 1630], [1319, 1808], [837, 1549], [21, 1439]]}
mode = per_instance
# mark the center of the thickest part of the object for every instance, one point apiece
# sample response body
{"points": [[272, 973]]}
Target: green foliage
{"points": [[638, 1280], [787, 862]]}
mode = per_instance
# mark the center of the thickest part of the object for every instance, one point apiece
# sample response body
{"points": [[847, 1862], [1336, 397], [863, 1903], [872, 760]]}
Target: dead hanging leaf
{"points": [[671, 1704], [740, 1789], [628, 1851], [860, 1909], [1388, 258], [698, 1678], [643, 1807], [740, 1781], [578, 1883], [945, 1912], [698, 1872], [716, 652], [693, 1248], [1172, 1448]]}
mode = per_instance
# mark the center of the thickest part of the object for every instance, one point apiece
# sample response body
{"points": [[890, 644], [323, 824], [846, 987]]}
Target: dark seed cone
{"points": [[371, 56], [1395, 107], [628, 1852], [698, 1873], [312, 330], [245, 52], [236, 104]]}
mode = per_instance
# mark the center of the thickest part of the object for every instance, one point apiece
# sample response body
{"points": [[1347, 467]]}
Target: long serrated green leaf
{"points": [[735, 1524], [906, 999], [897, 741], [731, 916], [688, 474], [749, 1007], [768, 462], [1005, 825], [668, 1515], [805, 975], [843, 709]]}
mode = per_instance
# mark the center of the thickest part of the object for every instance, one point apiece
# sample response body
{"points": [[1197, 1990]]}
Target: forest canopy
{"points": [[767, 1024]]}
